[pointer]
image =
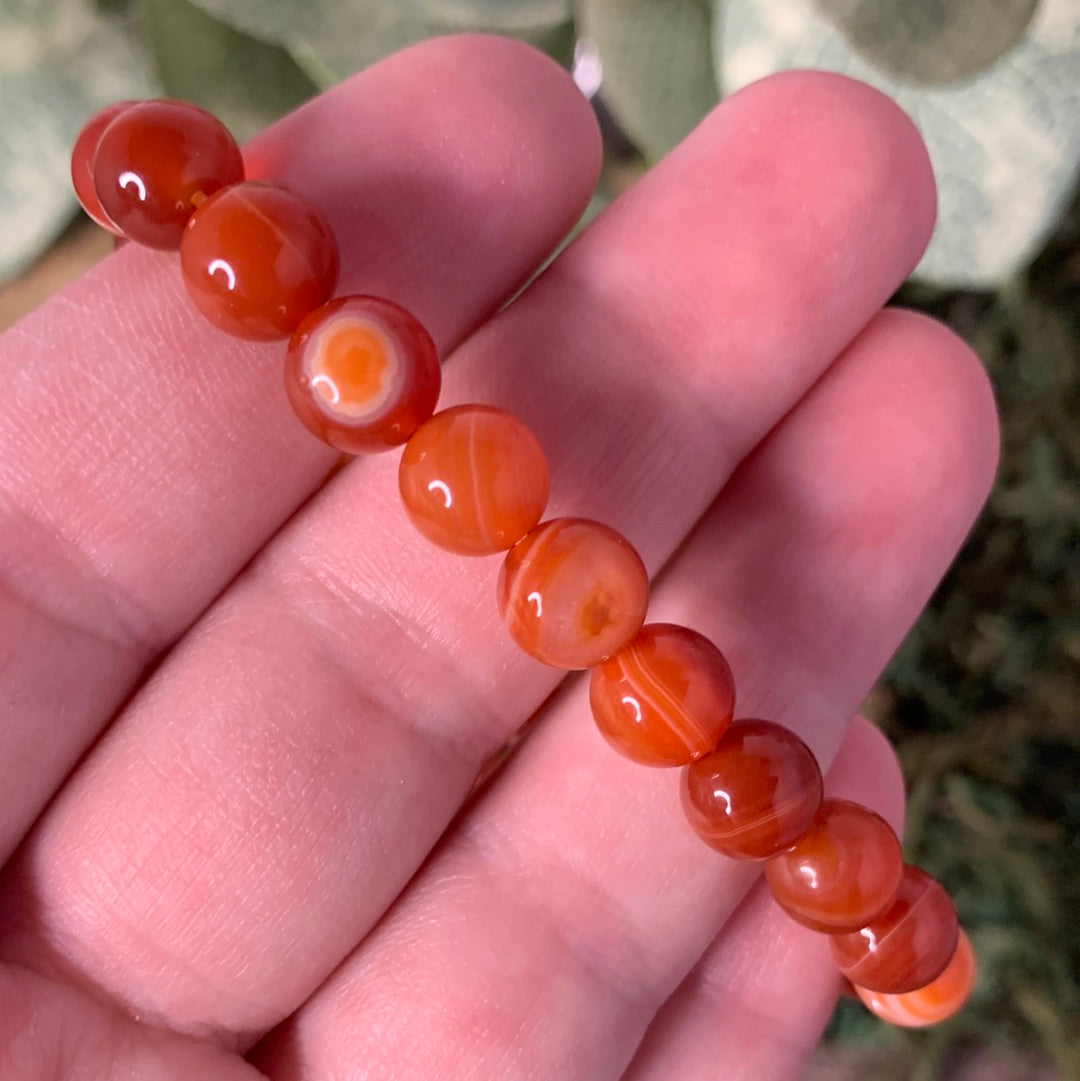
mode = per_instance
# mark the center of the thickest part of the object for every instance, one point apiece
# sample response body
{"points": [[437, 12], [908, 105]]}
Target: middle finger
{"points": [[257, 809]]}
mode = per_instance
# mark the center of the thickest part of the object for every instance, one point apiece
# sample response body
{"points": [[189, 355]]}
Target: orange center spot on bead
{"points": [[573, 592], [352, 367], [363, 375], [596, 613]]}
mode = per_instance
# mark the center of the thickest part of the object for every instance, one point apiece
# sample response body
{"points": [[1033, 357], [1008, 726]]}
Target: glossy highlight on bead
{"points": [[756, 793], [842, 873], [474, 479], [257, 259], [362, 373], [82, 164], [666, 698], [156, 162], [573, 592], [906, 947], [934, 1003]]}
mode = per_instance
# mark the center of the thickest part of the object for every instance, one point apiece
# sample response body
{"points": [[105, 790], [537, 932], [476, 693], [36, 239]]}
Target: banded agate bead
{"points": [[257, 259], [666, 698], [362, 374], [908, 945], [82, 163], [156, 162], [842, 873], [474, 479], [934, 1003], [572, 592], [756, 793]]}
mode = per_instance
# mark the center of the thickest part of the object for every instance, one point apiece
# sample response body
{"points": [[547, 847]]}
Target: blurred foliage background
{"points": [[981, 700]]}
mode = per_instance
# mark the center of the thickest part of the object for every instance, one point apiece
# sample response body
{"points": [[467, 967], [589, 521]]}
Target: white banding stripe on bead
{"points": [[472, 422], [667, 707], [780, 810], [534, 600]]}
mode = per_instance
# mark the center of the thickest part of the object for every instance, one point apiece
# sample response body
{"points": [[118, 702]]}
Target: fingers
{"points": [[281, 780], [144, 456], [574, 898], [759, 998], [49, 1030]]}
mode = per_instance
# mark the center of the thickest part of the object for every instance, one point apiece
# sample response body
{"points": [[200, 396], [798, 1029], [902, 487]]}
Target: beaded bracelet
{"points": [[362, 374]]}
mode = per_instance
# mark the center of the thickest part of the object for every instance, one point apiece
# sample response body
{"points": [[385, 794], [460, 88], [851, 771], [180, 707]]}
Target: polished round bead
{"points": [[573, 592], [666, 698], [908, 945], [362, 373], [474, 479], [842, 873], [934, 1003], [156, 162], [257, 260], [756, 793], [82, 163]]}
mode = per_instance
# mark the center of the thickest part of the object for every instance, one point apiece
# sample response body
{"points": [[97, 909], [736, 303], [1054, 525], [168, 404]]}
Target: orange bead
{"points": [[906, 947], [842, 873], [937, 1001], [474, 480], [257, 259], [155, 162], [572, 592], [362, 373], [82, 163], [666, 698], [756, 793]]}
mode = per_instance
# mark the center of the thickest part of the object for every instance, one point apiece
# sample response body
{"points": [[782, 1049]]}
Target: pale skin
{"points": [[289, 693]]}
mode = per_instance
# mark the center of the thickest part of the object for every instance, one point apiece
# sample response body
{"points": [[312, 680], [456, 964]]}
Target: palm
{"points": [[231, 871]]}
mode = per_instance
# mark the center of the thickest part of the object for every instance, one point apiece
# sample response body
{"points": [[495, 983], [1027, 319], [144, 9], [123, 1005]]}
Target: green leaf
{"points": [[60, 61], [332, 49], [271, 20], [247, 83], [932, 41], [656, 55], [503, 16], [546, 24], [292, 20], [331, 39], [999, 115]]}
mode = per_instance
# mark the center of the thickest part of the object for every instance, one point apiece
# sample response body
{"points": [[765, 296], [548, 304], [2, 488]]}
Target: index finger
{"points": [[144, 457]]}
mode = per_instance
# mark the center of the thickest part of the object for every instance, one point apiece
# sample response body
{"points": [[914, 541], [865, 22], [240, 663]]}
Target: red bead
{"points": [[82, 163], [474, 479], [842, 873], [156, 162], [573, 592], [934, 1003], [756, 793], [907, 946], [257, 260], [362, 374], [666, 698]]}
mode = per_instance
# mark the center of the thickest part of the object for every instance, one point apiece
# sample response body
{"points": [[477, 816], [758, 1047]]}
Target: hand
{"points": [[292, 693]]}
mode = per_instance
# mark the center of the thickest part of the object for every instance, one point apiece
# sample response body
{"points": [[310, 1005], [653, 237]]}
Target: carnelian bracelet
{"points": [[362, 374]]}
